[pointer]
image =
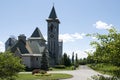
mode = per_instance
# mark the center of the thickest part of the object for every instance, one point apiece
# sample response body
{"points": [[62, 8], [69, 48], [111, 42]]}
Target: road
{"points": [[83, 73]]}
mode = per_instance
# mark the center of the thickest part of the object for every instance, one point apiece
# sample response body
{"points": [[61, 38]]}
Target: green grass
{"points": [[52, 76], [104, 68]]}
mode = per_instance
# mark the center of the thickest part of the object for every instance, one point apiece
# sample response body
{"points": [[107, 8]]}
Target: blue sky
{"points": [[77, 17]]}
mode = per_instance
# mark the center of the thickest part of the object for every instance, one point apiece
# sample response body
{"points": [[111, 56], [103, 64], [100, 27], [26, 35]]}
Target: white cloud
{"points": [[81, 54], [102, 25], [2, 47], [71, 37]]}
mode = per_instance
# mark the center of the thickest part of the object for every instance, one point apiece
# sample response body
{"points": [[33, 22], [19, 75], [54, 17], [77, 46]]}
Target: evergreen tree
{"points": [[76, 61], [44, 62], [66, 60], [73, 58]]}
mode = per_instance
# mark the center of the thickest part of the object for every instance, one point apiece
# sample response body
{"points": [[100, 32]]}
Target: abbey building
{"points": [[30, 49]]}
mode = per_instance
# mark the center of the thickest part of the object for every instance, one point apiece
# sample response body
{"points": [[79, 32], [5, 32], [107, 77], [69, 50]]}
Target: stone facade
{"points": [[53, 37], [30, 50]]}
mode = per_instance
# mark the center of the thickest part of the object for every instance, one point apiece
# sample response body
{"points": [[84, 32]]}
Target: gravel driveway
{"points": [[83, 73]]}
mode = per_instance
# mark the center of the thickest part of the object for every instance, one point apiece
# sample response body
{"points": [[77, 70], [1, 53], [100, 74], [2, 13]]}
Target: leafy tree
{"points": [[90, 59], [107, 47], [9, 66], [83, 61], [44, 62], [107, 51]]}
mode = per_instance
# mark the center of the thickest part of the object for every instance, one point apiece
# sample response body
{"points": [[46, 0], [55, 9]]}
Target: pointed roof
{"points": [[53, 13], [37, 33]]}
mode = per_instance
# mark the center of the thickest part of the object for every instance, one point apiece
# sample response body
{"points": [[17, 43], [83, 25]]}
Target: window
{"points": [[36, 58], [51, 28]]}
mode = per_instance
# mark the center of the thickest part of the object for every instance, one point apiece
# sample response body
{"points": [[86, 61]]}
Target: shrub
{"points": [[116, 72], [73, 67], [35, 71], [60, 66], [101, 77], [50, 69], [43, 72]]}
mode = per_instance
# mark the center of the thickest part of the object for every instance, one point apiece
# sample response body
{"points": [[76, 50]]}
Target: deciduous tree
{"points": [[107, 47], [9, 66]]}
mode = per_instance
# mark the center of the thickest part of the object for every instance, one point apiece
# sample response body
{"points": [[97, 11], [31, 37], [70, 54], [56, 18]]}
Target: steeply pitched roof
{"points": [[53, 13], [11, 41], [37, 33], [36, 47], [21, 45]]}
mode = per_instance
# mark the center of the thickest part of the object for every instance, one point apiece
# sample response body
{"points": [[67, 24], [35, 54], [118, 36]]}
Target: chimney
{"points": [[22, 37]]}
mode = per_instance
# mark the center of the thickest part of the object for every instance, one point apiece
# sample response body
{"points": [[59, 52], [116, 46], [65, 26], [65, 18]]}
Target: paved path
{"points": [[83, 73]]}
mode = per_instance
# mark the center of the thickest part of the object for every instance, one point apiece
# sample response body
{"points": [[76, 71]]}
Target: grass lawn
{"points": [[52, 76], [104, 68]]}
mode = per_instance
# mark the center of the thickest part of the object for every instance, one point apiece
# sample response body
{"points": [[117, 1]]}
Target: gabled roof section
{"points": [[37, 33], [53, 13], [21, 45]]}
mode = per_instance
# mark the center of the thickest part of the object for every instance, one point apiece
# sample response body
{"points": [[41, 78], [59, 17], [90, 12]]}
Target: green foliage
{"points": [[101, 77], [106, 68], [66, 60], [83, 61], [107, 51], [73, 58], [44, 62], [60, 66], [9, 66], [116, 72], [43, 71], [107, 48], [76, 61]]}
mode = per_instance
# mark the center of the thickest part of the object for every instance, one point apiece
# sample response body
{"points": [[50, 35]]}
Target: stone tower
{"points": [[53, 37]]}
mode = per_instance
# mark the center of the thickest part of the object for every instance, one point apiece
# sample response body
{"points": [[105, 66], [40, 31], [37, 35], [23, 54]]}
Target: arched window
{"points": [[51, 28]]}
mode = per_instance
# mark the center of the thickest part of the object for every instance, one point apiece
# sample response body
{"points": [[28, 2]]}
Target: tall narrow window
{"points": [[51, 28], [36, 58]]}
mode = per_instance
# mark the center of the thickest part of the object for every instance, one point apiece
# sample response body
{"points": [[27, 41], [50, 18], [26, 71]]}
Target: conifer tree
{"points": [[44, 62], [66, 60], [76, 61], [73, 58]]}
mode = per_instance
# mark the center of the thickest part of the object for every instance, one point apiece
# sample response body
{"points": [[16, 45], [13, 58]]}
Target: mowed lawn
{"points": [[53, 76]]}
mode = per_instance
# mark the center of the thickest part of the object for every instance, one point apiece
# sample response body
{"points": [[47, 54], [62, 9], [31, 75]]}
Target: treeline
{"points": [[66, 61]]}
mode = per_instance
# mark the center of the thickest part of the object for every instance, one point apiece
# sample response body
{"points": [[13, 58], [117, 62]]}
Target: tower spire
{"points": [[53, 16], [53, 13]]}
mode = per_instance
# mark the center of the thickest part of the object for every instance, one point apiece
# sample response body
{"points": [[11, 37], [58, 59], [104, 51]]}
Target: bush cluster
{"points": [[60, 66], [36, 71], [107, 68]]}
